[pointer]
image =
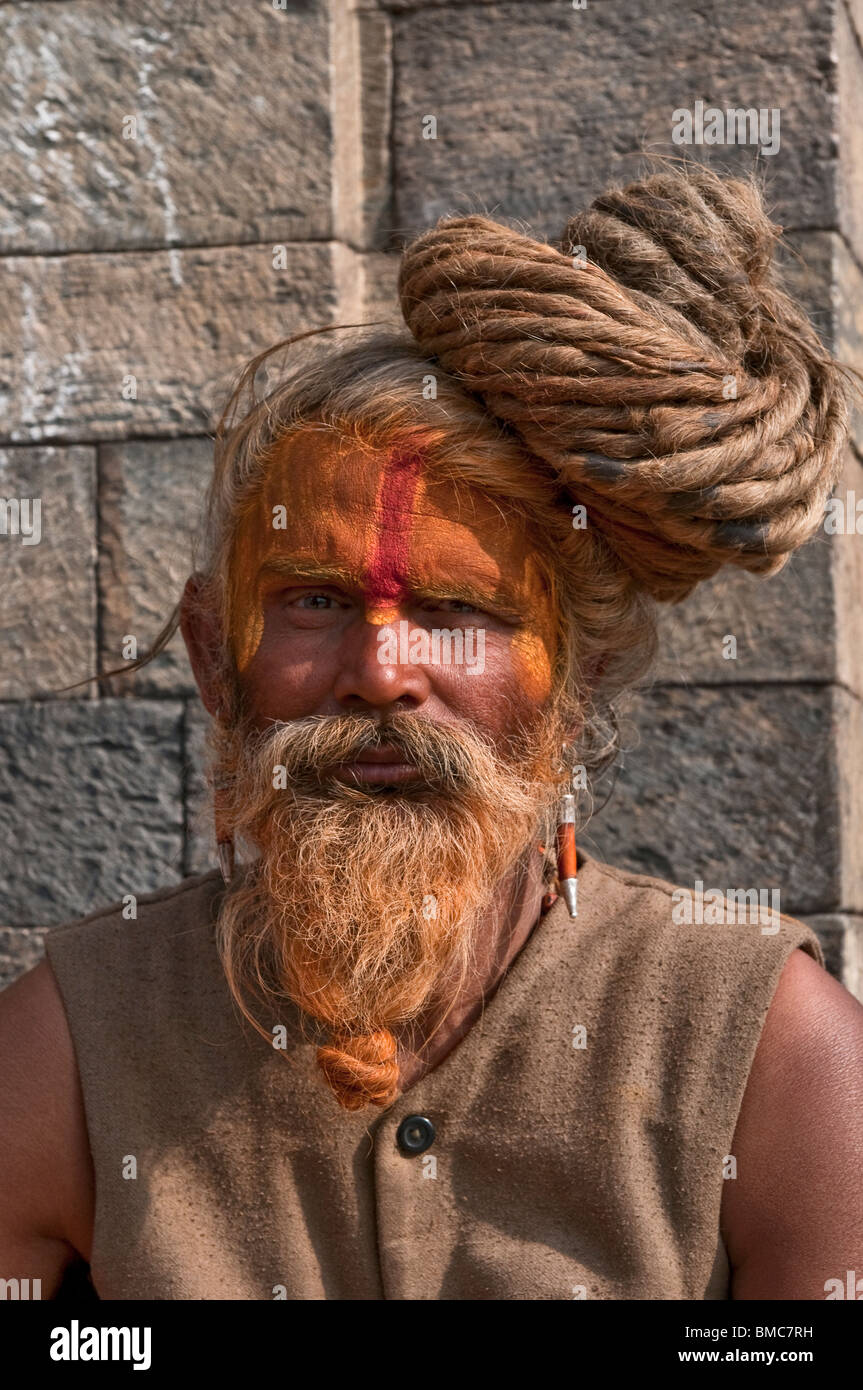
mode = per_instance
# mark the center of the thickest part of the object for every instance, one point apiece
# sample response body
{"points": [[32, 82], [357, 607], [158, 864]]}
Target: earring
{"points": [[224, 837], [567, 863]]}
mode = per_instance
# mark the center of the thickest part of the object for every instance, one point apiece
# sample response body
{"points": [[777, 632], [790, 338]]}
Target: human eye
{"points": [[295, 598], [491, 613], [310, 601], [458, 605]]}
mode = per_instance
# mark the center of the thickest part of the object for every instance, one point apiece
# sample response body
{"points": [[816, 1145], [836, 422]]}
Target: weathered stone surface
{"points": [[374, 193], [822, 273], [200, 850], [847, 551], [48, 589], [20, 950], [848, 751], [381, 299], [151, 496], [540, 106], [855, 10], [848, 290], [80, 334], [807, 262], [849, 84], [734, 786], [361, 102], [783, 626], [90, 805], [841, 937], [232, 136]]}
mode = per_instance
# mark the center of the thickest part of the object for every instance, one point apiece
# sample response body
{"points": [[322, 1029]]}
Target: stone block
{"points": [[362, 97], [99, 347], [848, 290], [735, 786], [381, 299], [182, 123], [151, 498], [91, 805], [841, 937], [540, 107], [20, 949], [200, 848], [49, 585], [847, 550], [782, 626], [855, 10], [376, 87], [849, 84], [848, 753], [807, 262]]}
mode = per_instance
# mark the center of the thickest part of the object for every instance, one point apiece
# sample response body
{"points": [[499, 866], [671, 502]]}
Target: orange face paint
{"points": [[384, 529]]}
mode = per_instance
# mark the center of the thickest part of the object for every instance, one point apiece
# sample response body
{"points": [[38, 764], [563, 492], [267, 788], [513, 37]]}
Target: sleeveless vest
{"points": [[581, 1125]]}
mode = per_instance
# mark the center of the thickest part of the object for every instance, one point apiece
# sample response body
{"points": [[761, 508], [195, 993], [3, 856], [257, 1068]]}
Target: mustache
{"points": [[448, 759]]}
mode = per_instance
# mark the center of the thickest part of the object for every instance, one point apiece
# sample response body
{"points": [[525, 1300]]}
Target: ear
{"points": [[201, 627]]}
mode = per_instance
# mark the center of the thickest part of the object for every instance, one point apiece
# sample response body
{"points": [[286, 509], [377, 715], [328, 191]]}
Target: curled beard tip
{"points": [[361, 1070]]}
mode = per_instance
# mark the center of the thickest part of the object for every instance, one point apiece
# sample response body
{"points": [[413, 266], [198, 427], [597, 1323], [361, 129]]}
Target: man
{"points": [[383, 1060]]}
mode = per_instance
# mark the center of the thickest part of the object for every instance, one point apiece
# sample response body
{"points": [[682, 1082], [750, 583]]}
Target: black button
{"points": [[415, 1134]]}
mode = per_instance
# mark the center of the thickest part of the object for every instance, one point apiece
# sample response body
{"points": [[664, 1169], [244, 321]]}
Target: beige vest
{"points": [[566, 1163]]}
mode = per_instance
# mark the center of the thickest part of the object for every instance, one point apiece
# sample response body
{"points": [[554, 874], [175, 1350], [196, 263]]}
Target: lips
{"points": [[383, 753], [382, 764]]}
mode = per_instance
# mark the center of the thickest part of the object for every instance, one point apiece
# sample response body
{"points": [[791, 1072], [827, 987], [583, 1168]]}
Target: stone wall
{"points": [[155, 157]]}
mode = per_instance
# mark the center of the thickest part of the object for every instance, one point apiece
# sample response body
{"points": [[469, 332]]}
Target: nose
{"points": [[375, 671]]}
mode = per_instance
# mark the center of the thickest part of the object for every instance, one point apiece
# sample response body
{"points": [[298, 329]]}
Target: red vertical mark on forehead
{"points": [[386, 574]]}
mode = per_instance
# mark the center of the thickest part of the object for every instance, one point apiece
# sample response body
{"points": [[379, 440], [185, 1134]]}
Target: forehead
{"points": [[384, 518]]}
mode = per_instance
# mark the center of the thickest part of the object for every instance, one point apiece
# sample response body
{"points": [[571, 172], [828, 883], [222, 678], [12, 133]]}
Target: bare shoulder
{"points": [[46, 1173], [793, 1216]]}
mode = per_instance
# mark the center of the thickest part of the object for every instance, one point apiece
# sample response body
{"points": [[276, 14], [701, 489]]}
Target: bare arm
{"points": [[46, 1171], [793, 1217]]}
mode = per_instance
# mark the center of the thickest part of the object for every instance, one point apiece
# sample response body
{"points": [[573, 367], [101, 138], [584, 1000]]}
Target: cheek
{"points": [[534, 646], [275, 687], [532, 665], [516, 678], [247, 629]]}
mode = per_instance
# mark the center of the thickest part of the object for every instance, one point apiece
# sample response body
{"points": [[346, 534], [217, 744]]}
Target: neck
{"points": [[501, 934]]}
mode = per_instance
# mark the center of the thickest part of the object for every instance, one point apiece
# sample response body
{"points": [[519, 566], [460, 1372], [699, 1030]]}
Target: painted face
{"points": [[341, 543]]}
